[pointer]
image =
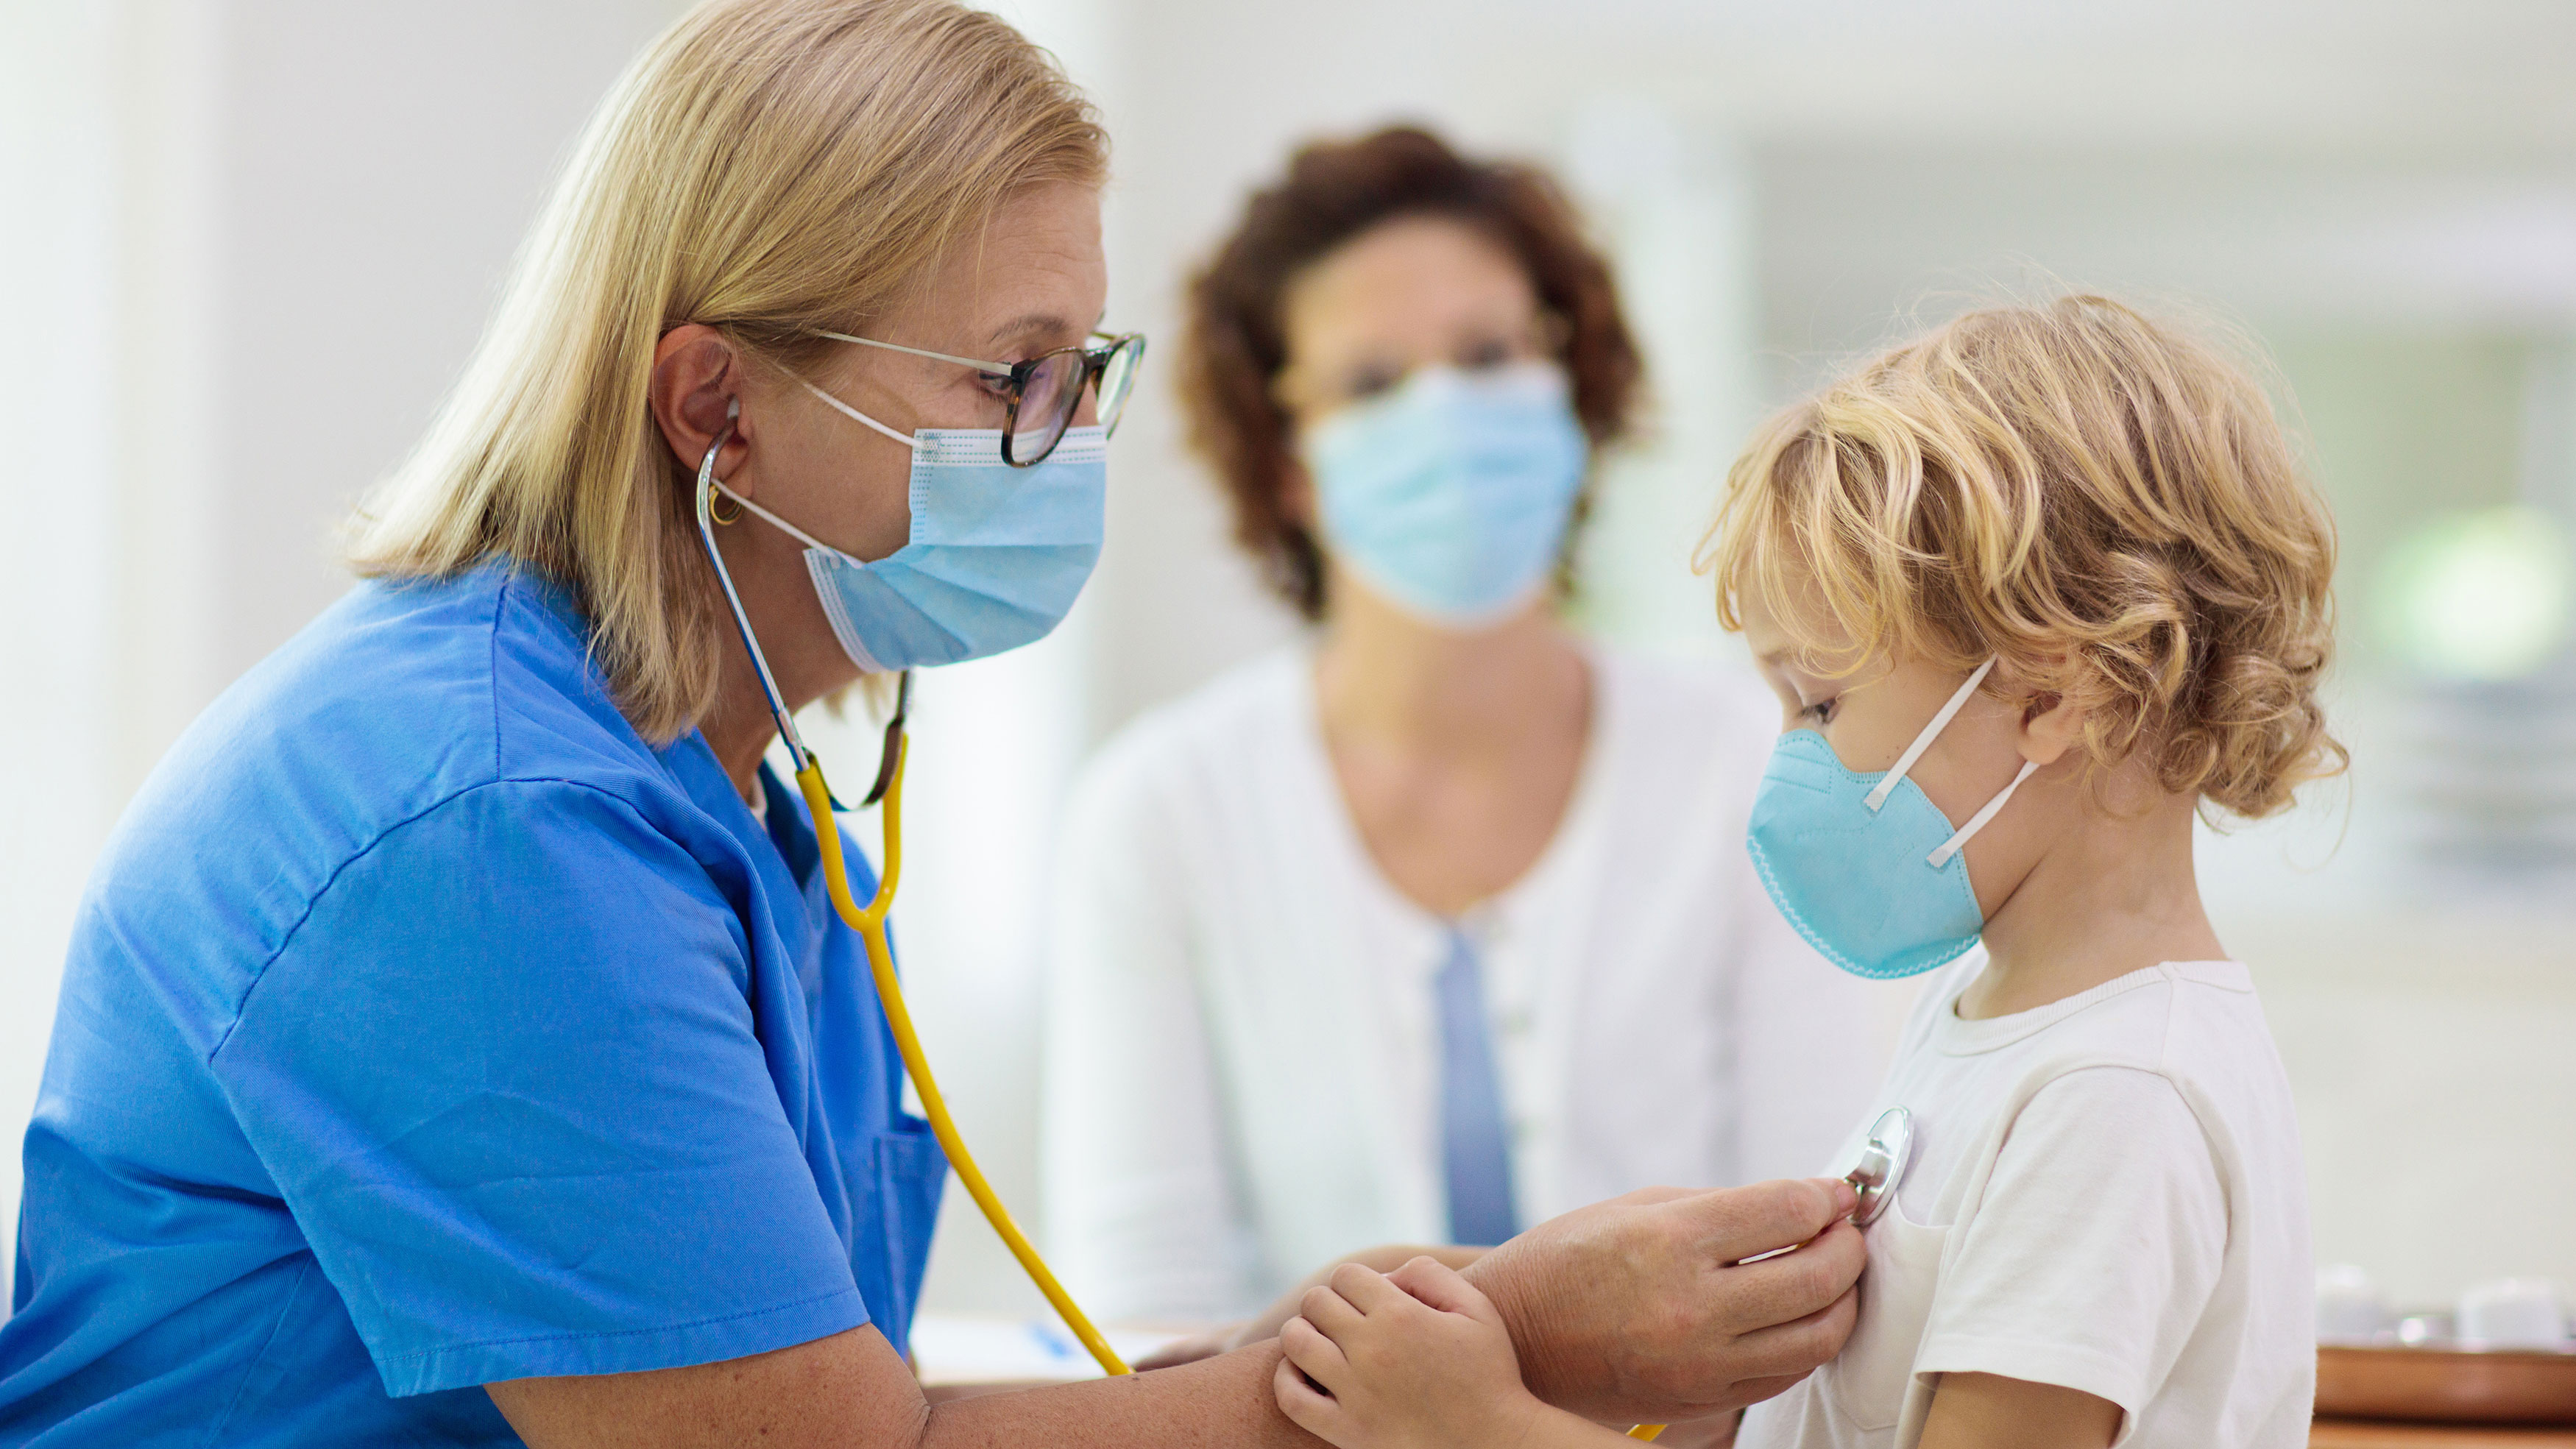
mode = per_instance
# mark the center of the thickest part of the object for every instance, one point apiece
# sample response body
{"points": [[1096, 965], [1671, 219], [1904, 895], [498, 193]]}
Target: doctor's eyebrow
{"points": [[1040, 323], [1036, 323]]}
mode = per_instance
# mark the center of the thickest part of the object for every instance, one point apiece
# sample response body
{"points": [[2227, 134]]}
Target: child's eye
{"points": [[1821, 712], [1369, 381]]}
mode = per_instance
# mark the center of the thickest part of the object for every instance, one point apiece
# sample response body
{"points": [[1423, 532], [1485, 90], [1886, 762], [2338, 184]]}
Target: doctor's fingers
{"points": [[1649, 1196], [1791, 1286], [1792, 1349], [1747, 1222]]}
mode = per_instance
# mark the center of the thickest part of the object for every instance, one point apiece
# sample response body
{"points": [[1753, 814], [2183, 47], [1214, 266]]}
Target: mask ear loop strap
{"points": [[1913, 752], [1977, 822], [854, 415]]}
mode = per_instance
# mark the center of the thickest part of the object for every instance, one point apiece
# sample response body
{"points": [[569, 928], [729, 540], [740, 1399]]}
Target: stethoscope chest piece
{"points": [[1883, 1160]]}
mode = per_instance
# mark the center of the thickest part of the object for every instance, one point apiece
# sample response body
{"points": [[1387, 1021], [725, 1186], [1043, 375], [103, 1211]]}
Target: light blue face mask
{"points": [[995, 558], [1451, 494], [1866, 866]]}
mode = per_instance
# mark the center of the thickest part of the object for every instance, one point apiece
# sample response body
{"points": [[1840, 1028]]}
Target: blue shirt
{"points": [[424, 1027]]}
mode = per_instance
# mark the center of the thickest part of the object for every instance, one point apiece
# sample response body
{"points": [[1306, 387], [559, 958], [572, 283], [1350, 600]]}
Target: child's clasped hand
{"points": [[1415, 1359]]}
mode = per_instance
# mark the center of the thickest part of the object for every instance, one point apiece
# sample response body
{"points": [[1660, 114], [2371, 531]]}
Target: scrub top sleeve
{"points": [[504, 1077]]}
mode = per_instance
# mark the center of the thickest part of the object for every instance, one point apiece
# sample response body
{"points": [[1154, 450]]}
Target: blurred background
{"points": [[248, 243]]}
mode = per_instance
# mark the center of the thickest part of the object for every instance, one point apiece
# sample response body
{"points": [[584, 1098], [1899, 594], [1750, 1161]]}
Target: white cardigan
{"points": [[1241, 1075]]}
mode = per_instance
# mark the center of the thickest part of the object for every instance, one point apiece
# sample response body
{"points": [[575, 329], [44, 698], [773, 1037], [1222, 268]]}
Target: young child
{"points": [[2033, 590]]}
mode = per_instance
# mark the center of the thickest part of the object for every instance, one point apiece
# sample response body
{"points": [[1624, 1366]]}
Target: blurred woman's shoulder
{"points": [[1244, 706], [1253, 719]]}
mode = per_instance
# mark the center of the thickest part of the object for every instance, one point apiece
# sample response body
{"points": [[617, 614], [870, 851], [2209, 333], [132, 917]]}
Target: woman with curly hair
{"points": [[1483, 868]]}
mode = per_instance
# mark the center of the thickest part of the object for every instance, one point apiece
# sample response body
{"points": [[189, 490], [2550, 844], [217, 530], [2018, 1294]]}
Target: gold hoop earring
{"points": [[716, 507]]}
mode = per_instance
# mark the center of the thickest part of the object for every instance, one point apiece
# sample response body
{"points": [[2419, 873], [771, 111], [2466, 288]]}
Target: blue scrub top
{"points": [[424, 1026]]}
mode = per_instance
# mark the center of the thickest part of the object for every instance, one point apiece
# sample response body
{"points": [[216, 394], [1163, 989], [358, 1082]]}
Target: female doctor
{"points": [[456, 1044]]}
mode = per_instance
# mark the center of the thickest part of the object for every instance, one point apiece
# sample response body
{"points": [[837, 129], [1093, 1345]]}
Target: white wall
{"points": [[57, 737], [268, 231]]}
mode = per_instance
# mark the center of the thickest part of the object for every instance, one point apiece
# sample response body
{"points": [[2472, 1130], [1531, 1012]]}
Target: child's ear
{"points": [[2051, 724]]}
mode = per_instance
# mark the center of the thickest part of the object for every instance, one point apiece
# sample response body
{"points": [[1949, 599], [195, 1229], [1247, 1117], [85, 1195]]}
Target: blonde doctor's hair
{"points": [[2102, 501], [768, 168]]}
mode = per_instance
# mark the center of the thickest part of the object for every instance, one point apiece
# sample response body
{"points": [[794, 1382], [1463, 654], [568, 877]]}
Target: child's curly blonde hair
{"points": [[2102, 501]]}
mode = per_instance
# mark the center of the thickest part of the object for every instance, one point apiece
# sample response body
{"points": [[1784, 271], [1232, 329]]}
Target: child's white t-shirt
{"points": [[2107, 1193]]}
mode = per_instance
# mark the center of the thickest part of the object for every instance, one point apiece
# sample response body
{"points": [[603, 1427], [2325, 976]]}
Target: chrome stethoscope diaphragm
{"points": [[1881, 1168]]}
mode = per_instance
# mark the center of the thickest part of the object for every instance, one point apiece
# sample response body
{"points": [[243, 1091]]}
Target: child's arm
{"points": [[1989, 1411], [1419, 1360]]}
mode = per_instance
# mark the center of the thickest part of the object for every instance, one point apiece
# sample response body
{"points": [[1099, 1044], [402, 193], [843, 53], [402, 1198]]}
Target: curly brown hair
{"points": [[1234, 343], [2104, 502]]}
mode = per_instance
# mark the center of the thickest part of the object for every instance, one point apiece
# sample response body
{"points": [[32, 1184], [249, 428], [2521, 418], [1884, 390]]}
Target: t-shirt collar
{"points": [[1953, 1035]]}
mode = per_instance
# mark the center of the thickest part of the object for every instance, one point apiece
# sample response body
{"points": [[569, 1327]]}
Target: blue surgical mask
{"points": [[1451, 494], [995, 558], [1866, 866]]}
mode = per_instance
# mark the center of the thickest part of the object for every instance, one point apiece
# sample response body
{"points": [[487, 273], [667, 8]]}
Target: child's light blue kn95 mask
{"points": [[1866, 866]]}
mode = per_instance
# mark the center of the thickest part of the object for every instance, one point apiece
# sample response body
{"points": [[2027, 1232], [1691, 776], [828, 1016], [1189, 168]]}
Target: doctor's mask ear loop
{"points": [[870, 921]]}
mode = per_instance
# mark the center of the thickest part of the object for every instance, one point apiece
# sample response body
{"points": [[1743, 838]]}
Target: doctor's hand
{"points": [[1642, 1310]]}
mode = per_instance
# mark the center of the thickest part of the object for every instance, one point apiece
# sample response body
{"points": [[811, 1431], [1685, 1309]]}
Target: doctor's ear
{"points": [[695, 391]]}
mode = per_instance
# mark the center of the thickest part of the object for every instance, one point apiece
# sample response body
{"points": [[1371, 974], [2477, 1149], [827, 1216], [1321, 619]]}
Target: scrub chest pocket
{"points": [[909, 1171], [1868, 1381]]}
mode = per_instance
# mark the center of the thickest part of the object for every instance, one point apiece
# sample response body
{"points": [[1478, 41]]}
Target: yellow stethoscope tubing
{"points": [[870, 923]]}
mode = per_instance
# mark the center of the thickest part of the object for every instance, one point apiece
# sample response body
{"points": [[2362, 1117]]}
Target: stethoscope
{"points": [[870, 921], [1884, 1156], [1875, 1175]]}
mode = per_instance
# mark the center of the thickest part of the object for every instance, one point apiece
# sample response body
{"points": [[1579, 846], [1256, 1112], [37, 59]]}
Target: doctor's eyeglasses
{"points": [[1042, 393]]}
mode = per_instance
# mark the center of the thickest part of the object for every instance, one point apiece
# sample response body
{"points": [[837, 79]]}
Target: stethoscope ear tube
{"points": [[894, 741], [705, 509], [870, 921]]}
